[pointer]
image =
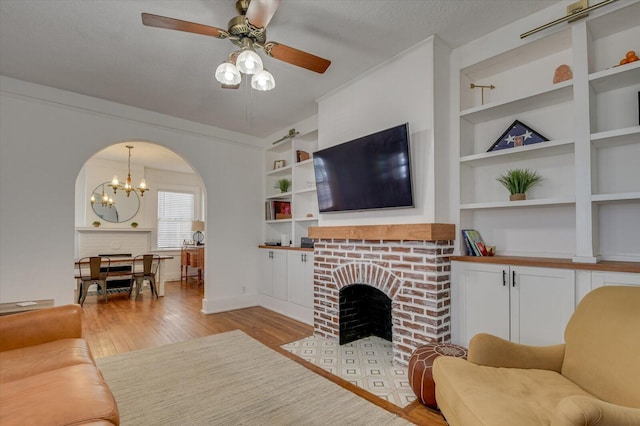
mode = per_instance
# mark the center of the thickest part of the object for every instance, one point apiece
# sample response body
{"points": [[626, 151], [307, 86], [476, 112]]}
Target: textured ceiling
{"points": [[100, 48]]}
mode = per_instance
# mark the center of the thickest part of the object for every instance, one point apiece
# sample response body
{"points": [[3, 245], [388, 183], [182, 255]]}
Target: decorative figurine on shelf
{"points": [[481, 87], [563, 73], [628, 58]]}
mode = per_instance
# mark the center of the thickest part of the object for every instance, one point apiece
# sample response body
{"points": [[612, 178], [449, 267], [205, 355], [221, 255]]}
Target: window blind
{"points": [[175, 213]]}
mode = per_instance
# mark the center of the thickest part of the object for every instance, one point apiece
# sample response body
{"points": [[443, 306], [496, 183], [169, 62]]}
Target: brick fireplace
{"points": [[408, 263]]}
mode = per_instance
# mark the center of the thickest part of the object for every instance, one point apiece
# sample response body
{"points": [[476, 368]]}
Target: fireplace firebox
{"points": [[364, 311]]}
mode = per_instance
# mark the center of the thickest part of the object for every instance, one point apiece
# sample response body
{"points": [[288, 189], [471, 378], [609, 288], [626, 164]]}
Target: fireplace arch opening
{"points": [[364, 311]]}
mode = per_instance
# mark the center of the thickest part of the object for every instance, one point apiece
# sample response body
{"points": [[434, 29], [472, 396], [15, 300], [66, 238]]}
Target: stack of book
{"points": [[277, 210], [473, 243]]}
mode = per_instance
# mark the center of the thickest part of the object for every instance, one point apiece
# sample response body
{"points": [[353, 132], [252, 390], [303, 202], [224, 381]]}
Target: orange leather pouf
{"points": [[420, 363]]}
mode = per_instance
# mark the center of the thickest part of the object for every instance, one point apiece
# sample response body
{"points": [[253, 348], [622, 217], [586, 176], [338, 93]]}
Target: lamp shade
{"points": [[227, 73], [197, 225], [248, 62], [263, 81]]}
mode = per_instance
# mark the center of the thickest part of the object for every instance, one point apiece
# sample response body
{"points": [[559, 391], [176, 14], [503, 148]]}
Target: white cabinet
{"points": [[300, 278], [523, 304], [274, 267], [588, 205], [287, 284]]}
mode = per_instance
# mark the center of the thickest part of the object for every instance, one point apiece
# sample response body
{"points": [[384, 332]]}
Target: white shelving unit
{"points": [[302, 194], [588, 205]]}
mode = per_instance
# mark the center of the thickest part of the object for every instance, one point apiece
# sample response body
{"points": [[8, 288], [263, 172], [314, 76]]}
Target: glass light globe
{"points": [[263, 81], [227, 73], [248, 62]]}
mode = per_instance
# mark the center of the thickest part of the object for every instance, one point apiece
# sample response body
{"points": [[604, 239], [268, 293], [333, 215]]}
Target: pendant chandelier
{"points": [[105, 200], [127, 187]]}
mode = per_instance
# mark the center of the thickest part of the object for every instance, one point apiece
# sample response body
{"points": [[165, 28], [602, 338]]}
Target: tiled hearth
{"points": [[413, 272]]}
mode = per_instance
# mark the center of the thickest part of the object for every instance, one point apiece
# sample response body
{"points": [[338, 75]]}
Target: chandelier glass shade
{"points": [[127, 186], [248, 62], [263, 81], [227, 73]]}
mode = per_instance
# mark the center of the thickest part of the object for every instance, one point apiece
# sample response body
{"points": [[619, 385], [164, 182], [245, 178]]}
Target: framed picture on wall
{"points": [[278, 164]]}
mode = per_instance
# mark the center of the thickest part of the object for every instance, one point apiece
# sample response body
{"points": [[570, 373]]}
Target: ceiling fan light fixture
{"points": [[248, 62], [227, 73], [263, 81]]}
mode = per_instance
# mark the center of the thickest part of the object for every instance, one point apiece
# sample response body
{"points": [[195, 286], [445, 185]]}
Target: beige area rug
{"points": [[229, 379], [366, 363]]}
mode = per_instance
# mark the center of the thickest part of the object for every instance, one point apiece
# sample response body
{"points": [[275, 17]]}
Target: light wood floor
{"points": [[124, 325]]}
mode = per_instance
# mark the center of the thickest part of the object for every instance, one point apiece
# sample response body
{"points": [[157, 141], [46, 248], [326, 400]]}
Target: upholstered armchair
{"points": [[591, 379]]}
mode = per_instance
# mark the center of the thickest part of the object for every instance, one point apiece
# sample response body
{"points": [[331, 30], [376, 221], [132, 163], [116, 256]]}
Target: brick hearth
{"points": [[414, 274]]}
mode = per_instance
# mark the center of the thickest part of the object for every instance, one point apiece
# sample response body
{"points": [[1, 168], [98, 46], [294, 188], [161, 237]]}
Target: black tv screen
{"points": [[371, 172]]}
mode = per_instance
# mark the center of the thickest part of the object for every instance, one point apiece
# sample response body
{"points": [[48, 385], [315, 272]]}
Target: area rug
{"points": [[367, 363], [229, 379]]}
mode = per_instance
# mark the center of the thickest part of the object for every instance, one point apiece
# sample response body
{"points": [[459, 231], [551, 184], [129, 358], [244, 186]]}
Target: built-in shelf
{"points": [[617, 137], [101, 229], [528, 151], [516, 204], [306, 219], [558, 93], [605, 198], [286, 170], [616, 78], [546, 262], [279, 221], [281, 196], [302, 191], [304, 163]]}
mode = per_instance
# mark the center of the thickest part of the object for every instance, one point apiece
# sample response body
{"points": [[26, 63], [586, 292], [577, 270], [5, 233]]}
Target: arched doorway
{"points": [[157, 221]]}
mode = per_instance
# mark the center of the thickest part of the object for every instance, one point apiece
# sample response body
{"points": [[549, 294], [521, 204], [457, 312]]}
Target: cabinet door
{"points": [[300, 267], [485, 299], [266, 283], [542, 301], [279, 274]]}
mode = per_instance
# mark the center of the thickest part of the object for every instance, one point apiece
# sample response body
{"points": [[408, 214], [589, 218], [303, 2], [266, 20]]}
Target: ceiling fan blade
{"points": [[260, 12], [179, 25], [230, 86], [296, 57]]}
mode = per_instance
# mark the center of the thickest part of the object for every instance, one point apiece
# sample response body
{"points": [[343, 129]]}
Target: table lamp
{"points": [[197, 226]]}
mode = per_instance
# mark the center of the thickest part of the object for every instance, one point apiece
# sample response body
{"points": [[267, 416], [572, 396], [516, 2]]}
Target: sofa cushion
{"points": [[470, 394], [70, 395], [24, 362]]}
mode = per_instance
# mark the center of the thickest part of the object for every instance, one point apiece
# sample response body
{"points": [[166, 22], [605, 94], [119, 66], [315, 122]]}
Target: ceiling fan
{"points": [[248, 31]]}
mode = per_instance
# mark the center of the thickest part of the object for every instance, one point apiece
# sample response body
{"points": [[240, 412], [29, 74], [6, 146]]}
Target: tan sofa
{"points": [[47, 373], [591, 379]]}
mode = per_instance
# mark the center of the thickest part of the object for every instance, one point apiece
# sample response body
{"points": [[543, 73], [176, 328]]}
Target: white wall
{"points": [[45, 138], [398, 91]]}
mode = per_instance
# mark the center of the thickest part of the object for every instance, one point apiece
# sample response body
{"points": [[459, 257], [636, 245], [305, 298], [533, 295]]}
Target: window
{"points": [[175, 213]]}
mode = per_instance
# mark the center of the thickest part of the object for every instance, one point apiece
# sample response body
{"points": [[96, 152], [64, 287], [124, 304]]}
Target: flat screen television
{"points": [[371, 172]]}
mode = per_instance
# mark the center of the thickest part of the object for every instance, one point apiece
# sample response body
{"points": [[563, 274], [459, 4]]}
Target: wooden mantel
{"points": [[406, 232]]}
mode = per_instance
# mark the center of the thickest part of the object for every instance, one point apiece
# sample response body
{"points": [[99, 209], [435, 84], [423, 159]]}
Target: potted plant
{"points": [[134, 224], [283, 184], [96, 223], [518, 182]]}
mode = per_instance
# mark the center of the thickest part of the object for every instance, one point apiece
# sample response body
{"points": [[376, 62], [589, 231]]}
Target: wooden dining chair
{"points": [[145, 268], [92, 270]]}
